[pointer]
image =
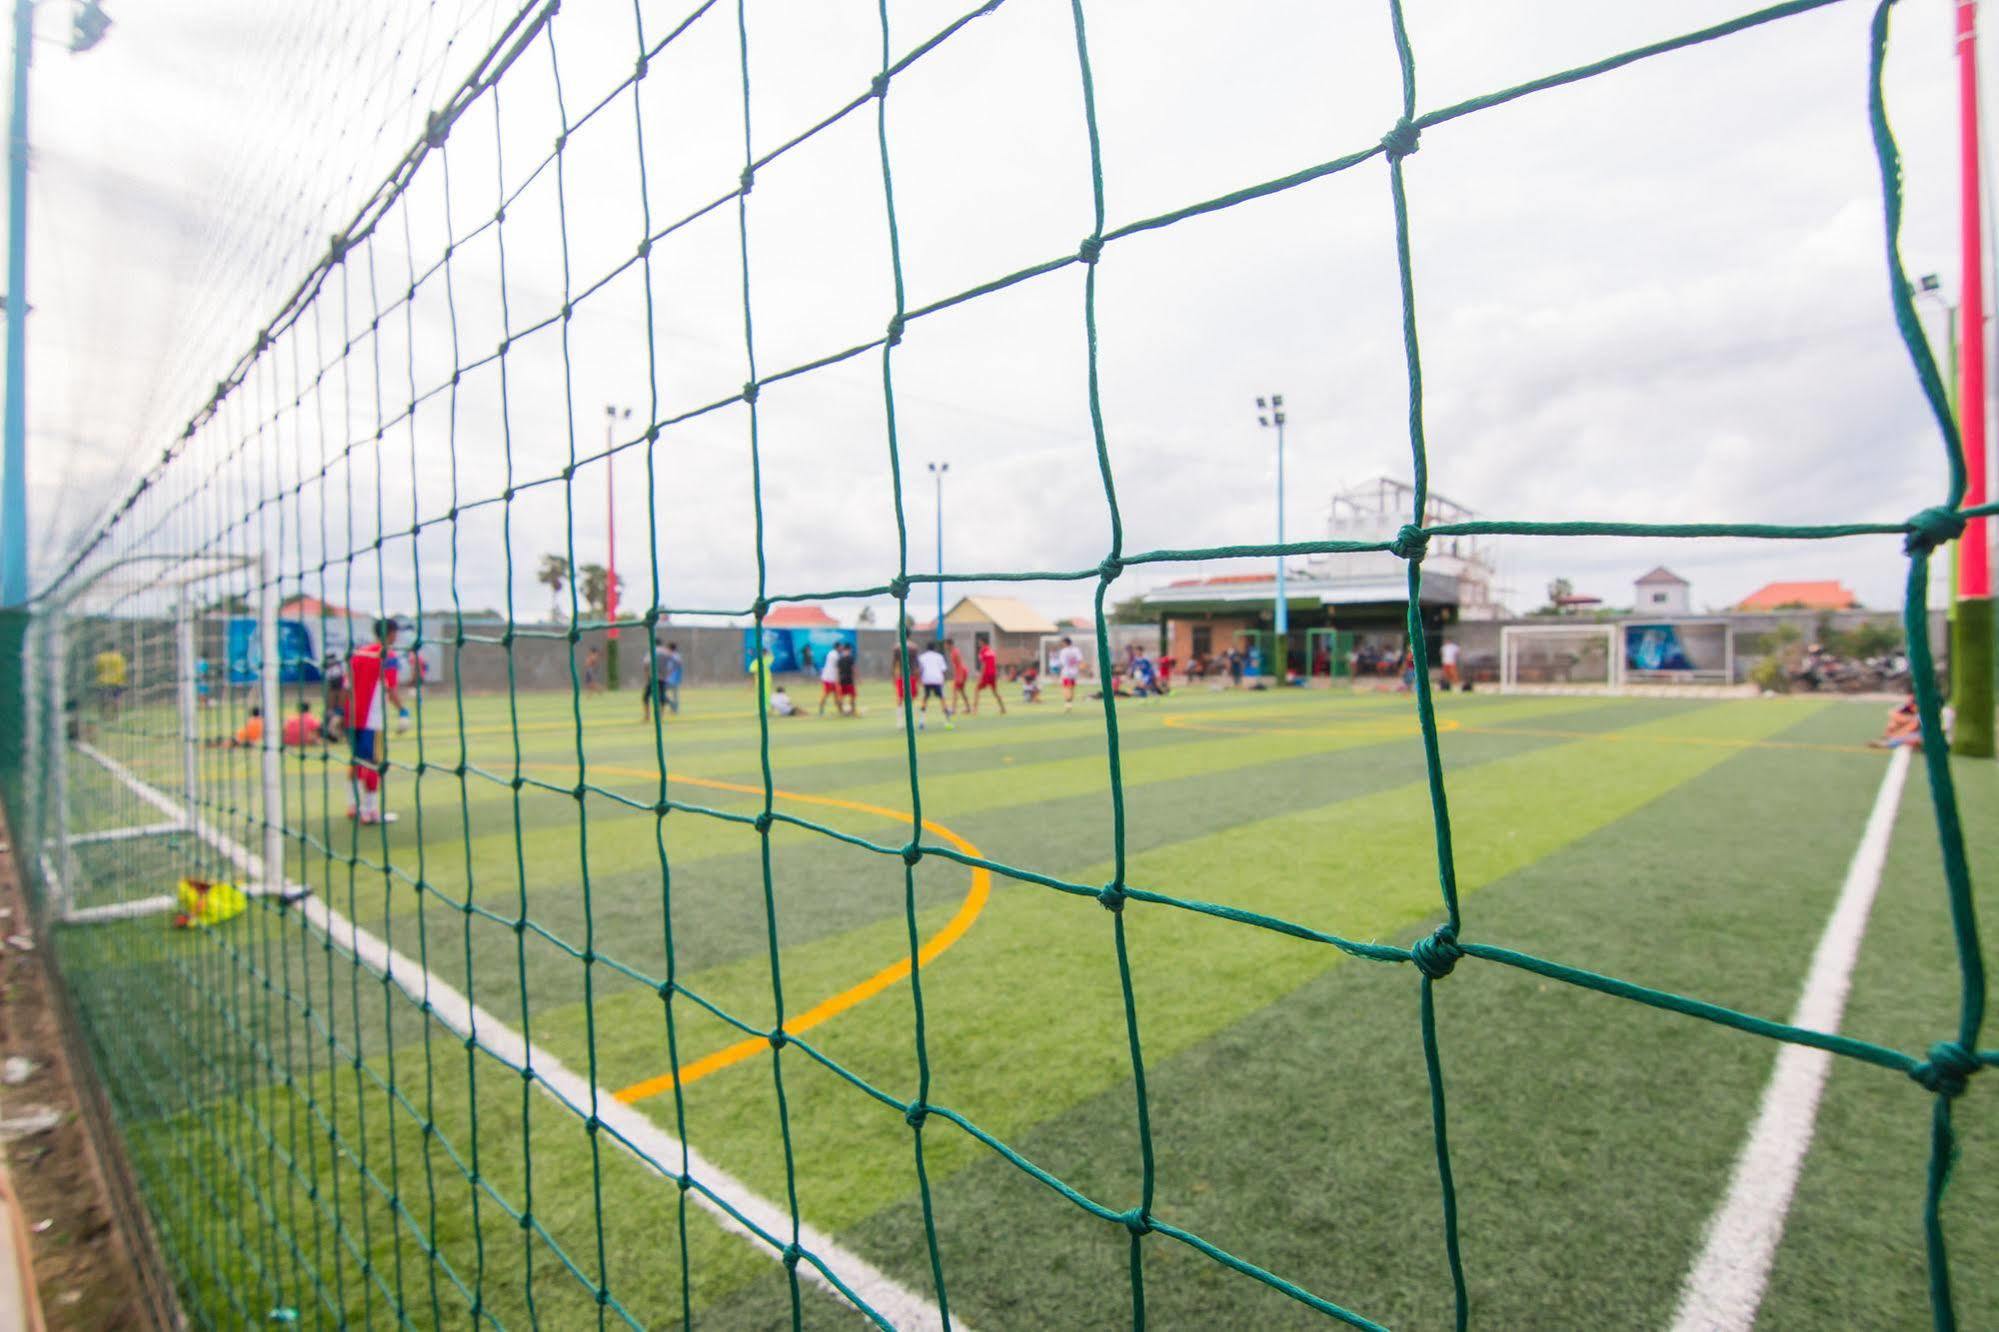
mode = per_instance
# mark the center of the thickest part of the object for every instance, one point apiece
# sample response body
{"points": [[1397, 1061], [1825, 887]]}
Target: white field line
{"points": [[125, 834], [656, 1148], [132, 910], [1725, 1287]]}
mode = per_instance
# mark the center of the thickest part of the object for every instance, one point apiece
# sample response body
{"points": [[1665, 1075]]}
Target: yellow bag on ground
{"points": [[205, 903]]}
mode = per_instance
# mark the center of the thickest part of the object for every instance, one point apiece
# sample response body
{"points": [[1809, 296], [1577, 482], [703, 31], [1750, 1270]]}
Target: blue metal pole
{"points": [[1282, 646], [14, 464]]}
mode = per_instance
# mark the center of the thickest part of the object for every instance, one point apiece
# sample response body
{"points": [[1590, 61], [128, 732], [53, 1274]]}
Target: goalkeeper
{"points": [[371, 675]]}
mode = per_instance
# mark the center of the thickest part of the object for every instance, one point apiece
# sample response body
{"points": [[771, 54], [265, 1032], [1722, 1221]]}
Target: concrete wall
{"points": [[1479, 639]]}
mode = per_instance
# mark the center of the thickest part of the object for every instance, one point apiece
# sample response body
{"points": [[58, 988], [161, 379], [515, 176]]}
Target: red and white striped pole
{"points": [[1972, 671]]}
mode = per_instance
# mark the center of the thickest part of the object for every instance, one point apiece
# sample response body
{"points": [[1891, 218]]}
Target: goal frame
{"points": [[1611, 634]]}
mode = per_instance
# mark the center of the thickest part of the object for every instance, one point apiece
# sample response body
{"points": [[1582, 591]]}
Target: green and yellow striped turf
{"points": [[1675, 844]]}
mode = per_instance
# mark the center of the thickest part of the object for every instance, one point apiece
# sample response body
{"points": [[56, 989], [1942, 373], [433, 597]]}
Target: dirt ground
{"points": [[82, 1267]]}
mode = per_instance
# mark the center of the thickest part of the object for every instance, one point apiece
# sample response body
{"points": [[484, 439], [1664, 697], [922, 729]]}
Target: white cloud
{"points": [[1658, 294]]}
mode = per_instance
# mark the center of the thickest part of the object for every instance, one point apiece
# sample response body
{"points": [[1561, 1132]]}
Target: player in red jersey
{"points": [[988, 677], [371, 691]]}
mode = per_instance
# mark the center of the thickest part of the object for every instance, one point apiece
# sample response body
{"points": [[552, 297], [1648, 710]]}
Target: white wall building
{"points": [[1661, 592]]}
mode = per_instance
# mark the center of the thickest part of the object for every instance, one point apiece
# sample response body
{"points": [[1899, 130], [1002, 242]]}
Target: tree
{"points": [[555, 574], [593, 581], [1558, 590], [1131, 610]]}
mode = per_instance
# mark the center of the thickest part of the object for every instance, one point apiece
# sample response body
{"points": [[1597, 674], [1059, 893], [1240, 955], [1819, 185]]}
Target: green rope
{"points": [[291, 1193]]}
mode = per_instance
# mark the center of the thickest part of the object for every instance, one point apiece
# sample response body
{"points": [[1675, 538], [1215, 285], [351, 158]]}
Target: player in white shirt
{"points": [[930, 670], [829, 681], [1449, 654], [1068, 665]]}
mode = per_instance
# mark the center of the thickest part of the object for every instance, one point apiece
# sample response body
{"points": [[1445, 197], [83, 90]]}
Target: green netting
{"points": [[300, 1103]]}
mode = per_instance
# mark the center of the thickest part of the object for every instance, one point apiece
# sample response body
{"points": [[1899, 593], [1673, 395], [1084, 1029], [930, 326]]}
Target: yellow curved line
{"points": [[831, 1007]]}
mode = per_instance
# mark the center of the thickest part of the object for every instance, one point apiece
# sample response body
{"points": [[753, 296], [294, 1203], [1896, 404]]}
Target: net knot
{"points": [[895, 327], [778, 1040], [750, 392], [1112, 897], [898, 587], [1137, 1222], [1399, 142], [1947, 1070], [749, 179], [1436, 954], [916, 1114], [763, 821], [1091, 248], [1932, 528], [760, 608], [1410, 542], [792, 1253], [878, 85], [911, 853], [1110, 568]]}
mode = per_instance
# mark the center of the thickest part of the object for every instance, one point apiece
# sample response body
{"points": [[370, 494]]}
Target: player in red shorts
{"points": [[829, 683], [371, 675], [988, 677], [960, 673], [844, 656]]}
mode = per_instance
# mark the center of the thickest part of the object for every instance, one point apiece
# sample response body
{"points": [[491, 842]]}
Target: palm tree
{"points": [[593, 581], [555, 574]]}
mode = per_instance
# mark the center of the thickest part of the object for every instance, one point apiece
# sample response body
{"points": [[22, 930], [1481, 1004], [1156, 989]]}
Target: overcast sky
{"points": [[1656, 295]]}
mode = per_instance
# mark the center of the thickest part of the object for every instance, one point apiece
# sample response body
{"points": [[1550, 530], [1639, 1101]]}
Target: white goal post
{"points": [[1561, 656]]}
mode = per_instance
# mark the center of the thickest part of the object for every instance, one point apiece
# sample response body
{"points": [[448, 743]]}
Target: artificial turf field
{"points": [[311, 1140]]}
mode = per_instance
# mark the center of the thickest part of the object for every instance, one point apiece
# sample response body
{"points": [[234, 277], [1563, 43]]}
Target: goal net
{"points": [[1560, 656]]}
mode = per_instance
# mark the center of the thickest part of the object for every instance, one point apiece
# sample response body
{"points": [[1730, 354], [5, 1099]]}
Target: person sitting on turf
{"points": [[302, 728], [1030, 685], [248, 736], [1905, 726], [781, 704]]}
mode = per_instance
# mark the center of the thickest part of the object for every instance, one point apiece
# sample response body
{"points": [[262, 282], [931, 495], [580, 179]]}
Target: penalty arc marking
{"points": [[834, 1005]]}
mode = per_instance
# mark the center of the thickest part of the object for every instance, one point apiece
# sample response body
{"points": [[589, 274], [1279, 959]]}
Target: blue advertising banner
{"points": [[793, 650], [1655, 647], [297, 662]]}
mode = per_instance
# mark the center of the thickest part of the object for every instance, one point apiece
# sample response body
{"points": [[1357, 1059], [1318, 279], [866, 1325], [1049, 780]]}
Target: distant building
{"points": [[1822, 595], [1661, 592], [1013, 627], [798, 615], [1365, 593]]}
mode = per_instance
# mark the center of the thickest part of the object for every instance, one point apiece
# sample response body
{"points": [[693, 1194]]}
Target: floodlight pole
{"points": [[1272, 417], [1972, 675], [612, 415], [14, 463], [937, 471]]}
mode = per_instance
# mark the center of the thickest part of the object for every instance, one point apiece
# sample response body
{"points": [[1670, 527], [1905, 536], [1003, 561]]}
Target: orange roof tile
{"points": [[1820, 594], [794, 615]]}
